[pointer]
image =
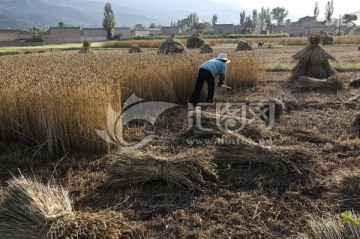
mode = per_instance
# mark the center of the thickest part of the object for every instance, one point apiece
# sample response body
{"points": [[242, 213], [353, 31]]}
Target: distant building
{"points": [[61, 35], [224, 29], [18, 38], [122, 33], [167, 31], [141, 33], [94, 34]]}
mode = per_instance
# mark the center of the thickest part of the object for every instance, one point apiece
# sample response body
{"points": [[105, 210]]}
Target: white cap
{"points": [[223, 56]]}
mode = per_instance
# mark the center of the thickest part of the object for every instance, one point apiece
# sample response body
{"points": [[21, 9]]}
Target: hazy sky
{"points": [[300, 8]]}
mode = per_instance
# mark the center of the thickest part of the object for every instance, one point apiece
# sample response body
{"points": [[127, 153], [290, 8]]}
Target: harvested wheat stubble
{"points": [[217, 126], [238, 150], [276, 106], [172, 46], [313, 61], [306, 83], [135, 49], [356, 121], [184, 170], [33, 210]]}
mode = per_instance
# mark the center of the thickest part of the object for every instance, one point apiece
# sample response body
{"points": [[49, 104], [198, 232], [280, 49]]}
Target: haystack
{"points": [[355, 82], [326, 39], [212, 125], [306, 83], [31, 210], [135, 49], [172, 46], [195, 41], [137, 167], [313, 61], [243, 46], [237, 149], [86, 47], [206, 48], [274, 106]]}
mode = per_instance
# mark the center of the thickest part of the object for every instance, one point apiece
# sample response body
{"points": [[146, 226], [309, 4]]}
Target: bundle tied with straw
{"points": [[131, 168], [172, 46], [236, 150], [212, 124], [31, 210], [313, 61], [305, 83], [28, 208]]}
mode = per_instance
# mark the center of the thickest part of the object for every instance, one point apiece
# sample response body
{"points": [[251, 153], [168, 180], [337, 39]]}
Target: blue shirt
{"points": [[215, 66]]}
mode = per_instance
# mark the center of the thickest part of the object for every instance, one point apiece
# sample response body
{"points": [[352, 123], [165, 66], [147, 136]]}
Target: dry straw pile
{"points": [[238, 150], [314, 64], [184, 170], [355, 82], [172, 46], [206, 48], [32, 210], [243, 46], [195, 41], [135, 49], [86, 47]]}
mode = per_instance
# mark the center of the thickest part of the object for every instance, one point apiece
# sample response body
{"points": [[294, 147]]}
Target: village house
{"points": [[18, 38], [94, 34], [61, 35], [224, 29], [122, 33], [167, 31]]}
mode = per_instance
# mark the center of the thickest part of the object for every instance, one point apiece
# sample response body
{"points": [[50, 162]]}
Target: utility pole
{"points": [[340, 25]]}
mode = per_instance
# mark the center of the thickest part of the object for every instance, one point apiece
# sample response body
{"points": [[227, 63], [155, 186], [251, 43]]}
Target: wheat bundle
{"points": [[86, 47], [243, 46], [237, 149], [306, 83], [28, 208], [212, 124], [102, 225], [275, 107], [195, 41], [313, 61], [182, 170], [206, 48], [172, 46], [135, 49], [355, 82]]}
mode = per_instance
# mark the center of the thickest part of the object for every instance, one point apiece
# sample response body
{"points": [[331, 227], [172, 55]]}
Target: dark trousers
{"points": [[204, 75]]}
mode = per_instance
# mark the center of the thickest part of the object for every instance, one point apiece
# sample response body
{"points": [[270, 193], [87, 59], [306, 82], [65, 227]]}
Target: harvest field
{"points": [[51, 104]]}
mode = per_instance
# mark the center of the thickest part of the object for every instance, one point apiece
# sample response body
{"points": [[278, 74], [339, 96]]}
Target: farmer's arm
{"points": [[221, 79]]}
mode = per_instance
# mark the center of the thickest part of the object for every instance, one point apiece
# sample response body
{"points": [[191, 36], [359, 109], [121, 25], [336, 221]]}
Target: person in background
{"points": [[260, 44], [208, 72]]}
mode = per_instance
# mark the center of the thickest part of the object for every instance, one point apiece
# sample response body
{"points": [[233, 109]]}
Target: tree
{"points": [[61, 24], [109, 20], [349, 18], [35, 31], [316, 10], [214, 19], [288, 22], [139, 27], [192, 19], [152, 25], [268, 17], [262, 17], [254, 19], [329, 10], [279, 14], [242, 18]]}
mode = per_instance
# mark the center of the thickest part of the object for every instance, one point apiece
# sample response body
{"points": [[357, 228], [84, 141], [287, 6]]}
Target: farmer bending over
{"points": [[208, 72]]}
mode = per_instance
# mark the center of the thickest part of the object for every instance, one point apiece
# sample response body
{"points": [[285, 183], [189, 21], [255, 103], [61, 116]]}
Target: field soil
{"points": [[249, 200]]}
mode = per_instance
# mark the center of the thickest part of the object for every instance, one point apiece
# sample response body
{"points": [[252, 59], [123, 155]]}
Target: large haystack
{"points": [[206, 48], [183, 170], [172, 46], [195, 41], [243, 46], [313, 61], [135, 49], [31, 210]]}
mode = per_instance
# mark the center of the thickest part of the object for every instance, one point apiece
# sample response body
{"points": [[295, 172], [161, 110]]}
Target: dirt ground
{"points": [[248, 201]]}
